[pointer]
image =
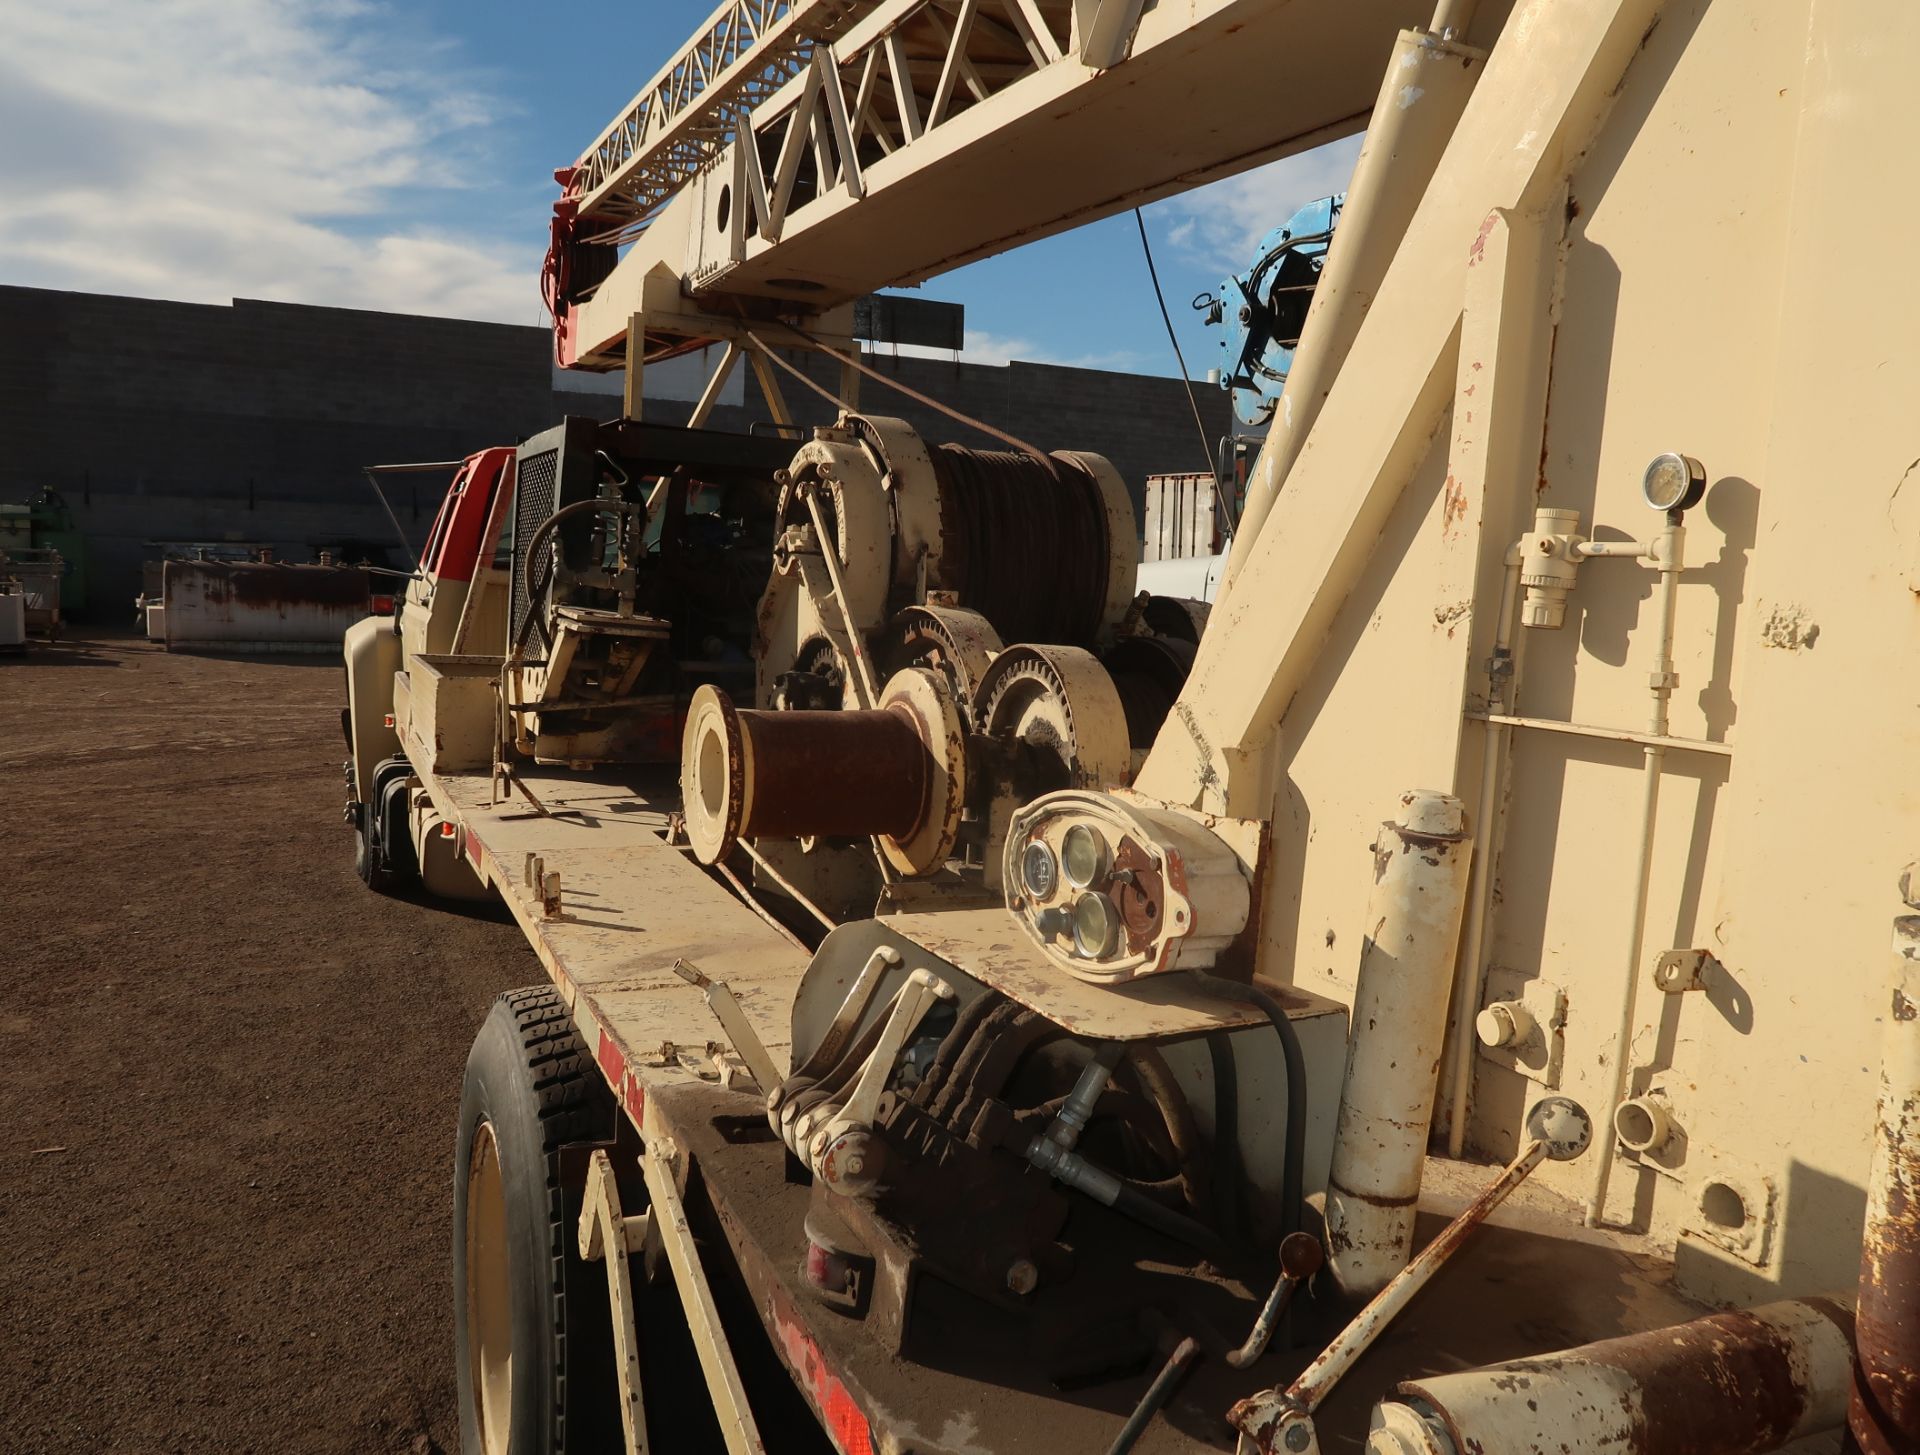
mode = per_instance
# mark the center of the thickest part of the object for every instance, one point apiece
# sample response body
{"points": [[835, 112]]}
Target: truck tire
{"points": [[383, 849], [368, 860], [533, 1338]]}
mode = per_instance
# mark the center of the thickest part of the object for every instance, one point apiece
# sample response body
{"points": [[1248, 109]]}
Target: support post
{"points": [[633, 393]]}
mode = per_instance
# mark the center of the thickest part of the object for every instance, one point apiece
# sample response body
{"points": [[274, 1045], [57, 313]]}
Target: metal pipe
{"points": [[1157, 1395], [830, 553], [787, 884], [1668, 555], [1402, 148], [1618, 735], [1557, 1128], [1300, 1258], [1884, 1412], [1736, 1383], [1470, 968], [1420, 864], [1452, 17]]}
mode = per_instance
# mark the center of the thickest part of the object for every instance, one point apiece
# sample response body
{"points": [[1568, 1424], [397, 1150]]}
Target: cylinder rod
{"points": [[1884, 1415], [1399, 1028]]}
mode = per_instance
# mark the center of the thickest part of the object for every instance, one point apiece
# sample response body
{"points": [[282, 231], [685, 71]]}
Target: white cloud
{"points": [[211, 149], [1216, 227]]}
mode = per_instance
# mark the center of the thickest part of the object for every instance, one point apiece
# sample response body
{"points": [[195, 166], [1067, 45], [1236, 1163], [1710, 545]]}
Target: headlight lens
{"points": [[1083, 855], [1038, 870], [1096, 926]]}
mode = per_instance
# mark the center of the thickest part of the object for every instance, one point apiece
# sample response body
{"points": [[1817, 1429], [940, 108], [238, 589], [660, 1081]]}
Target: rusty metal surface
{"points": [[1736, 1383], [1884, 1413], [234, 603], [988, 945], [836, 774]]}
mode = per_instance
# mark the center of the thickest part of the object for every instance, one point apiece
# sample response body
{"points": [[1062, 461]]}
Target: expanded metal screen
{"points": [[535, 498]]}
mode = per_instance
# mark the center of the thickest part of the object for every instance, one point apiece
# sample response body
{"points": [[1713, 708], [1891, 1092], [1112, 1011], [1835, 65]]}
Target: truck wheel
{"points": [[368, 860], [533, 1338], [383, 850]]}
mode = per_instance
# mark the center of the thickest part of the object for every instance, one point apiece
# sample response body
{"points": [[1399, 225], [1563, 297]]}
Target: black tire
{"points": [[383, 850], [369, 861], [531, 1101]]}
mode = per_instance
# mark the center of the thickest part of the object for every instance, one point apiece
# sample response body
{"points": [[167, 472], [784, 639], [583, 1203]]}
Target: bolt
{"points": [[1022, 1276], [1299, 1437]]}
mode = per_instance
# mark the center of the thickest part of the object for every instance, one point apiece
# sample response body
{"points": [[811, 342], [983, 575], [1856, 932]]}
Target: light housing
{"points": [[1171, 892], [1673, 482]]}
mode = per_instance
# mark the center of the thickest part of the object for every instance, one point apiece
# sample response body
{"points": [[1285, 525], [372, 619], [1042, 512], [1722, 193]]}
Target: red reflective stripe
{"points": [[626, 1089], [845, 1422]]}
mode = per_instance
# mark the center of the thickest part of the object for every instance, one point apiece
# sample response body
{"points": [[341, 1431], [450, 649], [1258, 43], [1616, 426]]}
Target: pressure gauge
{"points": [[1038, 870], [1674, 482], [1096, 926], [1083, 855]]}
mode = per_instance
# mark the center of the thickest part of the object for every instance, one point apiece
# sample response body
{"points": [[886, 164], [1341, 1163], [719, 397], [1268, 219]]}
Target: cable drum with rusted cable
{"points": [[1027, 542]]}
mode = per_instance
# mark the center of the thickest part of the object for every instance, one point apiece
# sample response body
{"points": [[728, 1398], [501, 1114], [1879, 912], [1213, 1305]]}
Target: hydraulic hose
{"points": [[1222, 988], [1137, 1205]]}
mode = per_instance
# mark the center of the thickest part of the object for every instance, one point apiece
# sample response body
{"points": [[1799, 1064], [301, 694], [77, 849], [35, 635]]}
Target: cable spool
{"points": [[1148, 673], [956, 643], [1059, 707], [1030, 544]]}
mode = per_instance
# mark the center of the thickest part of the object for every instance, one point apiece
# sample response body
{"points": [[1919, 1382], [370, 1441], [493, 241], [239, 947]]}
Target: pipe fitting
{"points": [[1644, 1123], [1505, 1023], [1549, 566]]}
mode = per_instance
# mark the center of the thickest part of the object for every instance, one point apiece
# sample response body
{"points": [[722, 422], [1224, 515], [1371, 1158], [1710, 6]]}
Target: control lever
{"points": [[1280, 1422]]}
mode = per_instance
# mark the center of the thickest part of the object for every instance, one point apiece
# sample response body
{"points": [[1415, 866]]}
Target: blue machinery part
{"points": [[1263, 311]]}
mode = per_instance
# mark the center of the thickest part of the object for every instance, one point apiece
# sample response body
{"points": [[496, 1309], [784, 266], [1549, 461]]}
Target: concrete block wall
{"points": [[165, 421]]}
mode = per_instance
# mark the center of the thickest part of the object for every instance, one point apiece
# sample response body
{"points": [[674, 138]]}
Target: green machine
{"points": [[47, 522]]}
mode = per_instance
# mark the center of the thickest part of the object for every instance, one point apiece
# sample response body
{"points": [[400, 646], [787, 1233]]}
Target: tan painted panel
{"points": [[614, 949]]}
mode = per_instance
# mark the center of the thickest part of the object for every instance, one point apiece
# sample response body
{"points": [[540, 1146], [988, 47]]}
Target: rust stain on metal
{"points": [[1884, 1409]]}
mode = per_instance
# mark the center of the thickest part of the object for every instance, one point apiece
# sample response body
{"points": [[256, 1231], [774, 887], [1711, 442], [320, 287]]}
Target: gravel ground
{"points": [[230, 1071]]}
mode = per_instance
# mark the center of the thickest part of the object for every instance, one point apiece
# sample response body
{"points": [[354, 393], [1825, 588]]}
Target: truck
{"points": [[1439, 1000]]}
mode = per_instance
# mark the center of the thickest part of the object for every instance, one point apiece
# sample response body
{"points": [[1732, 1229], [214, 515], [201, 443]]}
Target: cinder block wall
{"points": [[178, 421]]}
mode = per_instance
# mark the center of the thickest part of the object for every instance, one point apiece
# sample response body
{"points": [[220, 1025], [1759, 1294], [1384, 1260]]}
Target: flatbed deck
{"points": [[980, 1380]]}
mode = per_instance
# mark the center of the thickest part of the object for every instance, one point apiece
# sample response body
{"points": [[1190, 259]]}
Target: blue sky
{"points": [[400, 155]]}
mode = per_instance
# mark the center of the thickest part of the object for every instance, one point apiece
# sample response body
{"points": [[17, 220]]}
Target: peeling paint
{"points": [[1788, 627]]}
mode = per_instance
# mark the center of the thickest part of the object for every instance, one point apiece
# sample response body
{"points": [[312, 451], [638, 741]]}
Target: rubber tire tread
{"points": [[531, 1076]]}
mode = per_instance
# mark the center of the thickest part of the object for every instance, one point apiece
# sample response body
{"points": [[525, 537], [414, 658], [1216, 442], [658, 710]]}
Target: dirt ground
{"points": [[229, 1076]]}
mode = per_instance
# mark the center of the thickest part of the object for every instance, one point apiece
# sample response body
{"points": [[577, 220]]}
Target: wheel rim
{"points": [[489, 1294]]}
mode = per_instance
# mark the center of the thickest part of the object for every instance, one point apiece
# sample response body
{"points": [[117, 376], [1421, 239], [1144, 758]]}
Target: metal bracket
{"points": [[746, 1044], [1539, 1053], [724, 1385], [1678, 971], [603, 1227]]}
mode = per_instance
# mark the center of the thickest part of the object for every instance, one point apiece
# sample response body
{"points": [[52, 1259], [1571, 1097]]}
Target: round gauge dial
{"points": [[1039, 871], [1083, 856], [1096, 926], [1674, 482]]}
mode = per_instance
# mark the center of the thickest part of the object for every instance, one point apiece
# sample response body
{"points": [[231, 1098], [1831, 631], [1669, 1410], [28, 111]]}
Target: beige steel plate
{"points": [[630, 906], [989, 946]]}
